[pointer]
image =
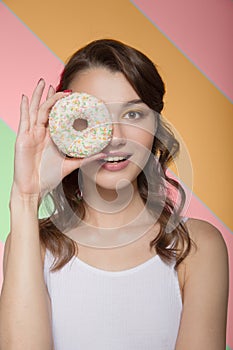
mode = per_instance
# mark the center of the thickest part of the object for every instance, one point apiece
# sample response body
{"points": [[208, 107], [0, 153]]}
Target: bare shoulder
{"points": [[208, 250], [208, 253], [208, 241], [205, 289]]}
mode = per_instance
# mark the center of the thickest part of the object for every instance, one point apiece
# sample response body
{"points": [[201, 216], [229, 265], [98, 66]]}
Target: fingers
{"points": [[35, 102], [51, 92], [74, 163], [70, 165], [45, 108], [97, 156], [24, 122], [37, 113]]}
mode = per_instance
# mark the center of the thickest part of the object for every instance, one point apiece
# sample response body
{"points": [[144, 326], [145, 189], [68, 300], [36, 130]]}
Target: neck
{"points": [[112, 218], [107, 208]]}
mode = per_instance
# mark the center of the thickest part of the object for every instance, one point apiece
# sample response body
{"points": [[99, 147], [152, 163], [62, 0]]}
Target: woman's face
{"points": [[134, 126]]}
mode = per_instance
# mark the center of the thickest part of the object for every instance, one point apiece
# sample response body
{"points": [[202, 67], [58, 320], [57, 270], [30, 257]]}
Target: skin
{"points": [[203, 275], [132, 135]]}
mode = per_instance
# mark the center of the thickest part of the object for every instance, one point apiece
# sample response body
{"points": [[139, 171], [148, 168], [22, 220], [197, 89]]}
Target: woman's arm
{"points": [[205, 293], [39, 167], [24, 304]]}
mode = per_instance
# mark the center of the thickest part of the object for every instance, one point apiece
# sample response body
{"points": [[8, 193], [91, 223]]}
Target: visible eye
{"points": [[133, 115]]}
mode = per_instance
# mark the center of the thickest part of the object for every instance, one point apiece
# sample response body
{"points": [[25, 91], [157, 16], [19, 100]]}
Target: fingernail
{"points": [[40, 81], [67, 91]]}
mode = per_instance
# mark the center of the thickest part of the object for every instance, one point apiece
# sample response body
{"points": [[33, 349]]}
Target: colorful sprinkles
{"points": [[83, 143]]}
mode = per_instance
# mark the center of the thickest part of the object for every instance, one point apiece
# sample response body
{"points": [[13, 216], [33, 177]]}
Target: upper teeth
{"points": [[113, 159]]}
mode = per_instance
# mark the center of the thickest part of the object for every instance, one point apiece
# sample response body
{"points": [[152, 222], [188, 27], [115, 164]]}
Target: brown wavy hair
{"points": [[172, 241]]}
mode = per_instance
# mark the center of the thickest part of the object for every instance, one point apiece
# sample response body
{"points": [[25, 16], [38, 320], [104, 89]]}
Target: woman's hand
{"points": [[39, 166]]}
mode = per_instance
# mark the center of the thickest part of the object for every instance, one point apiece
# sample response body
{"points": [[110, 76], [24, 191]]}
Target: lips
{"points": [[115, 156], [115, 161]]}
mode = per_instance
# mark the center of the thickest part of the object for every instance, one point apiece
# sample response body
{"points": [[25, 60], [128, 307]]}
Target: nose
{"points": [[118, 137]]}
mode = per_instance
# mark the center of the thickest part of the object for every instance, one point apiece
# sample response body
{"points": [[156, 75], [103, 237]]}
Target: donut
{"points": [[80, 125]]}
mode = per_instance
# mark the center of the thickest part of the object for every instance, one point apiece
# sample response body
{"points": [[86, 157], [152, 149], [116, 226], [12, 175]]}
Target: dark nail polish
{"points": [[40, 81], [67, 91]]}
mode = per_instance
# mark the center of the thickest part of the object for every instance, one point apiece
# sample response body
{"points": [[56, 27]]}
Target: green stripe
{"points": [[7, 141]]}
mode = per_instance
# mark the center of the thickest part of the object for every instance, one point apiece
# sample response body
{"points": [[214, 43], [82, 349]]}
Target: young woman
{"points": [[115, 266]]}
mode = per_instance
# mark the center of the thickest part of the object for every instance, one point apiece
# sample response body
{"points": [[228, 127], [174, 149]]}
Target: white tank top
{"points": [[134, 309]]}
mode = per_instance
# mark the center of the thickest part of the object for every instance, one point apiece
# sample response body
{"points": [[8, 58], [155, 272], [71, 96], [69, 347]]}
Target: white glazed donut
{"points": [[80, 107]]}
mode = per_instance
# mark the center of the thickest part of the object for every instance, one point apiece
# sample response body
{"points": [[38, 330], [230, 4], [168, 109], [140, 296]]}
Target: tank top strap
{"points": [[48, 262], [184, 219]]}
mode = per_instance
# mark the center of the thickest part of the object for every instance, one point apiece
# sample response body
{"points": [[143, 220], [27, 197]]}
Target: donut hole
{"points": [[80, 124]]}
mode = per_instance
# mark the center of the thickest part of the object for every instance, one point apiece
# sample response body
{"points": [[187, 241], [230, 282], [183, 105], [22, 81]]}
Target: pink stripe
{"points": [[202, 30], [24, 60]]}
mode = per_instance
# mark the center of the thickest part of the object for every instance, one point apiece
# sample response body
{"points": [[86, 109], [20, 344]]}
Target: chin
{"points": [[117, 180], [114, 184]]}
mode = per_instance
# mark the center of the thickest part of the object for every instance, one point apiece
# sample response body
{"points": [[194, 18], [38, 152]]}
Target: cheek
{"points": [[141, 143], [140, 137], [143, 133]]}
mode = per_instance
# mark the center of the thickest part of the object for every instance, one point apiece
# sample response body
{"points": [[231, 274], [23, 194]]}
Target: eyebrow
{"points": [[133, 102]]}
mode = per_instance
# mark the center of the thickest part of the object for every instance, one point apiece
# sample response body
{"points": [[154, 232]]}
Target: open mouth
{"points": [[116, 159], [115, 162]]}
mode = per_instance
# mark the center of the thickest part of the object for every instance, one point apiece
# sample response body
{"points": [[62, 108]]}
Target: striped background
{"points": [[191, 43]]}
